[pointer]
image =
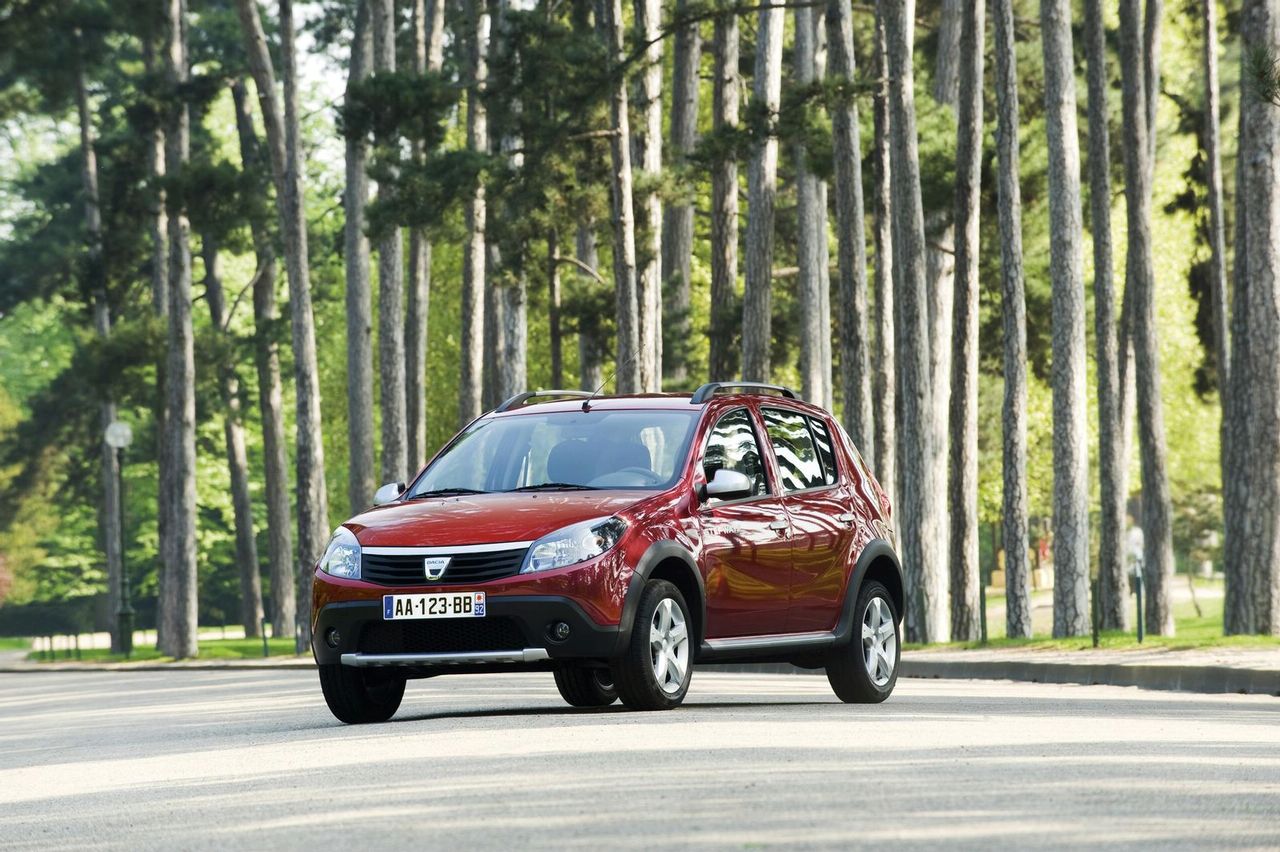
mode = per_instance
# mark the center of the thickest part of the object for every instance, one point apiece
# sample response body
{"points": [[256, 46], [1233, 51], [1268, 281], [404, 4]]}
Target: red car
{"points": [[616, 541]]}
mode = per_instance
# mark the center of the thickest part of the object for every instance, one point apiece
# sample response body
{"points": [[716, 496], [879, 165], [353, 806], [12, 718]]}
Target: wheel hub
{"points": [[669, 646], [879, 641]]}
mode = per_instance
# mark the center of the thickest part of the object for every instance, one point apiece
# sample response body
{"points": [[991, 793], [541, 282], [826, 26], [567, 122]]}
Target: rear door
{"points": [[746, 546], [815, 493]]}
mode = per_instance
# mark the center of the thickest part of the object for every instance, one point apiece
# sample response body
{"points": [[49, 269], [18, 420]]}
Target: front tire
{"points": [[654, 671], [585, 687], [865, 669], [358, 697]]}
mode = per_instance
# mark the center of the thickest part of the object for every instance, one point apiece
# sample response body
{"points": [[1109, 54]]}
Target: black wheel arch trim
{"points": [[875, 550], [660, 551]]}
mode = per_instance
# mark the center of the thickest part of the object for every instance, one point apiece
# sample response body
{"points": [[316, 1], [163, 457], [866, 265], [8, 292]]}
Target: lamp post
{"points": [[119, 436]]}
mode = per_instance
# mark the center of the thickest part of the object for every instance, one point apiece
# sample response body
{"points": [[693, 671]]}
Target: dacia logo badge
{"points": [[435, 566]]}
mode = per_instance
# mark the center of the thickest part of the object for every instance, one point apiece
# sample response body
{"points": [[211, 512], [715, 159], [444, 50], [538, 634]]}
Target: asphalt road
{"points": [[253, 760]]}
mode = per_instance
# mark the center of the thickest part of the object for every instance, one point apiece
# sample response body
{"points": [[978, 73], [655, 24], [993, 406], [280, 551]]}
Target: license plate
{"points": [[439, 605]]}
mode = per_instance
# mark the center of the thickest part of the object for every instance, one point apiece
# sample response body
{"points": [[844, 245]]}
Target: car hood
{"points": [[484, 518]]}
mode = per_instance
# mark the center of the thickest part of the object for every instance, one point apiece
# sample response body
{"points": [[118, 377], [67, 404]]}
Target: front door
{"points": [[746, 542]]}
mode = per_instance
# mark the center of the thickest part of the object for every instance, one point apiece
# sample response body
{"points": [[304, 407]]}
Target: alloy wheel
{"points": [[879, 641], [669, 646]]}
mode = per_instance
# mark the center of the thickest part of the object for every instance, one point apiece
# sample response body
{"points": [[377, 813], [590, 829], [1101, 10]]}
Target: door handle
{"points": [[846, 518], [780, 526]]}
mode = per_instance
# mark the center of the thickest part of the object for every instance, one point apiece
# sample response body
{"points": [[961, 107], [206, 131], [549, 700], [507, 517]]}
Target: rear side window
{"points": [[798, 462], [733, 446], [822, 438]]}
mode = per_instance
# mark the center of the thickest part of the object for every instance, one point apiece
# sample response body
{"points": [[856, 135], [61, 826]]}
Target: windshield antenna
{"points": [[586, 403]]}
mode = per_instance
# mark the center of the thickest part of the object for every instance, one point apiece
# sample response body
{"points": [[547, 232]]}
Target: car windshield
{"points": [[564, 450]]}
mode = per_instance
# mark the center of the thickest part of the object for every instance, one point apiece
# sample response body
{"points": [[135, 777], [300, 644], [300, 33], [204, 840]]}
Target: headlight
{"points": [[573, 544], [342, 556]]}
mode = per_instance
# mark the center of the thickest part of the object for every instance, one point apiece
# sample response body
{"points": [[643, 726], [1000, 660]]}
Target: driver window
{"points": [[733, 446]]}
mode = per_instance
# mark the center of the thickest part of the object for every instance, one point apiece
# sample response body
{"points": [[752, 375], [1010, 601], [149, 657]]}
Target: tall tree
{"points": [[762, 190], [810, 226], [109, 517], [270, 393], [648, 156], [677, 221], [918, 498], [855, 364], [884, 457], [1217, 219], [471, 382], [1070, 441], [1112, 586], [246, 546], [722, 361], [428, 57], [1252, 499], [360, 476], [508, 281], [963, 491], [280, 119], [1140, 284], [178, 605], [591, 342], [391, 353], [624, 231], [1014, 313]]}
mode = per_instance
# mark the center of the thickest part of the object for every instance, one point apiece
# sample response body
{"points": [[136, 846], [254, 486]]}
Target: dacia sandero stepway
{"points": [[615, 542]]}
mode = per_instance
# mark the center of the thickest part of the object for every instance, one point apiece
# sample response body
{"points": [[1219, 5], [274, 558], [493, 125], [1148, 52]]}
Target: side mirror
{"points": [[729, 485], [387, 493]]}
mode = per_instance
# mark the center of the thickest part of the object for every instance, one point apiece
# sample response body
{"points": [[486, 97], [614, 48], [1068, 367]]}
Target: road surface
{"points": [[253, 760]]}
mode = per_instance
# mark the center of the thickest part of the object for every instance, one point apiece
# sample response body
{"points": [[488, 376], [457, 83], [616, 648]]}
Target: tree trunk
{"points": [[360, 476], [648, 147], [762, 189], [1070, 438], [270, 394], [1140, 281], [591, 342], [495, 341], [1238, 610], [391, 321], [722, 362], [677, 223], [1217, 227], [624, 232], [555, 331], [883, 458], [949, 58], [1254, 605], [237, 458], [809, 282], [109, 511], [178, 605], [855, 367], [471, 381], [281, 123], [428, 23], [918, 498], [965, 575], [1151, 76], [1112, 585], [1014, 312]]}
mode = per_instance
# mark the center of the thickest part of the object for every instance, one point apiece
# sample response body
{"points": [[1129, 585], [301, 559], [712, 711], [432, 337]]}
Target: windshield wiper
{"points": [[556, 486], [446, 492]]}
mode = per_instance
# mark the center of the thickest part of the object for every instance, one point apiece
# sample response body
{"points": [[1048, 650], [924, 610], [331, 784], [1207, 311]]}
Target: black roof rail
{"points": [[710, 389], [521, 398]]}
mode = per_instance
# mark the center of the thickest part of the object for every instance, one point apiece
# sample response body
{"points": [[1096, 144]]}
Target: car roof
{"points": [[657, 401]]}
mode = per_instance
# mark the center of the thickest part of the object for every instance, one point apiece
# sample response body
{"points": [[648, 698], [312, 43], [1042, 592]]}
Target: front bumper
{"points": [[432, 646]]}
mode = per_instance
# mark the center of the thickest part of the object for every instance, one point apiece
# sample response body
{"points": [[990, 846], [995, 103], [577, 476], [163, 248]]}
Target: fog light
{"points": [[559, 631], [332, 637]]}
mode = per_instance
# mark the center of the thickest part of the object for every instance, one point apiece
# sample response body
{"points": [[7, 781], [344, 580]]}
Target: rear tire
{"points": [[586, 687], [865, 669], [358, 697], [654, 671]]}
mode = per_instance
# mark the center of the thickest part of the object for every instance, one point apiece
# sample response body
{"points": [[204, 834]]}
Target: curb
{"points": [[1174, 678]]}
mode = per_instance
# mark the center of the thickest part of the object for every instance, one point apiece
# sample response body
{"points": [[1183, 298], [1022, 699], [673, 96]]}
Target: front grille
{"points": [[441, 636], [463, 567]]}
